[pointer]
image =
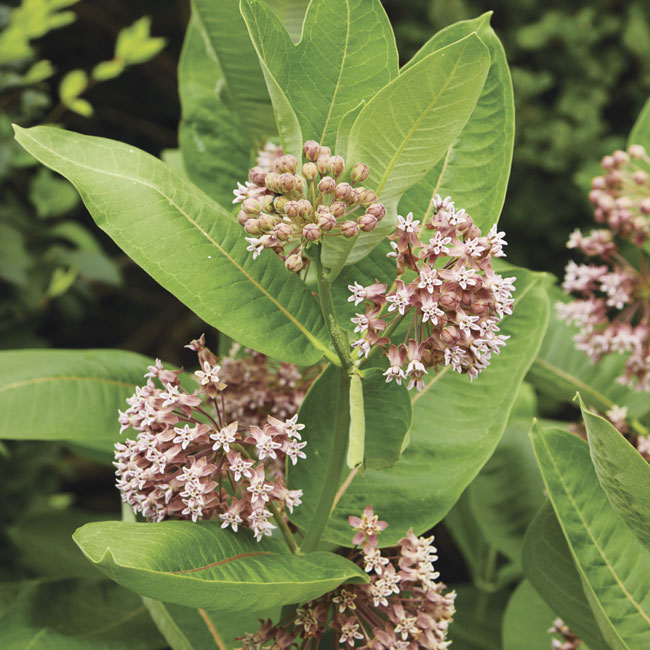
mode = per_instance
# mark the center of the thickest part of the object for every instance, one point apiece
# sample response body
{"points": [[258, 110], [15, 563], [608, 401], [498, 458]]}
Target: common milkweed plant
{"points": [[334, 216]]}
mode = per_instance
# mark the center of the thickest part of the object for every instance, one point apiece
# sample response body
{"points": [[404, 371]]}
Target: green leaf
{"points": [[347, 53], [81, 106], [527, 620], [623, 473], [135, 44], [292, 14], [202, 565], [560, 370], [407, 127], [357, 434], [215, 146], [187, 242], [228, 36], [549, 566], [51, 195], [640, 133], [72, 85], [614, 580], [66, 394], [439, 463], [74, 614], [476, 167], [106, 70], [388, 418]]}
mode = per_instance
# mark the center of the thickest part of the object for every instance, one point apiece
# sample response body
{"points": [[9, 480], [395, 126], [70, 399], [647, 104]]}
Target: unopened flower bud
{"points": [[355, 196], [242, 217], [305, 208], [257, 175], [279, 204], [337, 208], [608, 162], [360, 172], [644, 206], [349, 229], [636, 151], [377, 210], [343, 192], [294, 262], [253, 226], [310, 150], [367, 222], [327, 185], [290, 163], [251, 206], [620, 157], [473, 232], [640, 177], [266, 202], [450, 335], [300, 184], [448, 299], [480, 308], [598, 183], [292, 209], [283, 231], [267, 222], [366, 197], [323, 164], [310, 171], [337, 165], [272, 182], [326, 221], [287, 182], [326, 151], [311, 232]]}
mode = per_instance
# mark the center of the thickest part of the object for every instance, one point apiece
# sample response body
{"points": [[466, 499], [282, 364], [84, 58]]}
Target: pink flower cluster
{"points": [[455, 302], [569, 640], [288, 211], [192, 460], [402, 607], [612, 310]]}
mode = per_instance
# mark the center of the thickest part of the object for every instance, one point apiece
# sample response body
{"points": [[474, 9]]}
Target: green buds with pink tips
{"points": [[360, 172]]}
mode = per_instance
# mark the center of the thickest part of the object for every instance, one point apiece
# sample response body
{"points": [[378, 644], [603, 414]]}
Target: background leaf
{"points": [[202, 565], [186, 242], [640, 133], [476, 167]]}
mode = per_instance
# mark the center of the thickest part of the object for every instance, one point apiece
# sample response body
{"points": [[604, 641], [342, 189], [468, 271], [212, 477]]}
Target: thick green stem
{"points": [[334, 467]]}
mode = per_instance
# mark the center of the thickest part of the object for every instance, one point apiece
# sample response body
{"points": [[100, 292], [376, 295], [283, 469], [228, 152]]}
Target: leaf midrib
{"points": [[310, 337]]}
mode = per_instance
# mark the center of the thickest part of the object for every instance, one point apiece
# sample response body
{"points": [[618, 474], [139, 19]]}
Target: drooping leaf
{"points": [[623, 473], [202, 565], [456, 427], [407, 127], [74, 614], [614, 580], [475, 169], [187, 242], [550, 568], [69, 395], [527, 620], [242, 75], [347, 53], [640, 133]]}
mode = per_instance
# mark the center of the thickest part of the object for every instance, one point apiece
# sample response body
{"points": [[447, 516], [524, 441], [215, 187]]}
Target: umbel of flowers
{"points": [[211, 452], [289, 204], [451, 307], [402, 607], [612, 309]]}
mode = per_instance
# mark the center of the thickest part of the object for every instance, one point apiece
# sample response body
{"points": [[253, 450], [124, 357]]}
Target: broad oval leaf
{"points": [[71, 395], [612, 563], [202, 565], [407, 127], [623, 473], [550, 568], [347, 53], [74, 614], [475, 169], [186, 242], [456, 426]]}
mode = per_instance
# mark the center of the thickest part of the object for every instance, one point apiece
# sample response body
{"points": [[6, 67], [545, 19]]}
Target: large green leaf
{"points": [[550, 568], [215, 147], [640, 133], [527, 620], [74, 614], [407, 127], [66, 394], [456, 427], [476, 167], [292, 15], [612, 563], [202, 565], [187, 242], [560, 370], [228, 38], [623, 473], [347, 53]]}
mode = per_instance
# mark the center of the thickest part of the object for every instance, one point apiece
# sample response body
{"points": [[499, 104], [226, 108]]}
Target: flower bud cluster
{"points": [[569, 640], [289, 204], [191, 459], [455, 302], [401, 607], [612, 309]]}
